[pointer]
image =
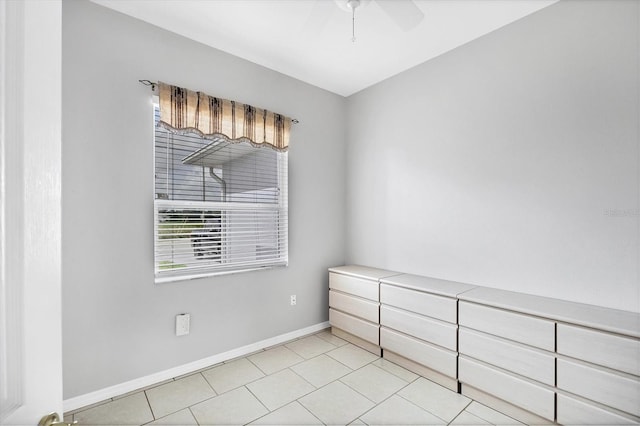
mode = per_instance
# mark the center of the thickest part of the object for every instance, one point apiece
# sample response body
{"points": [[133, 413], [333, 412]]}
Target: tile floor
{"points": [[315, 380]]}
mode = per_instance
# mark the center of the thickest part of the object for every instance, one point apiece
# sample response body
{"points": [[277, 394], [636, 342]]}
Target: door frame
{"points": [[30, 210]]}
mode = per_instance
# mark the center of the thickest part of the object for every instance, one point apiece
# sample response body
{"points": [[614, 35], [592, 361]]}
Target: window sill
{"points": [[170, 279]]}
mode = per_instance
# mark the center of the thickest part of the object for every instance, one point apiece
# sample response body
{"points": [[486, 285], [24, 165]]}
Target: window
{"points": [[220, 206]]}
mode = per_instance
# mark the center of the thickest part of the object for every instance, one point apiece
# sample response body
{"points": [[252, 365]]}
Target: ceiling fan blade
{"points": [[404, 13], [319, 16]]}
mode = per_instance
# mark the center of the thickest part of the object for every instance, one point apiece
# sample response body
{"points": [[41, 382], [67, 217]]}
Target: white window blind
{"points": [[220, 206]]}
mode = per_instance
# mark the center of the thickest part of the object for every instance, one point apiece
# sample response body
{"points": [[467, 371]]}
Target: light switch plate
{"points": [[182, 324]]}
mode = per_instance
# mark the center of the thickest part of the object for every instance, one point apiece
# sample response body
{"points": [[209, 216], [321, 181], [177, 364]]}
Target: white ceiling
{"points": [[311, 39]]}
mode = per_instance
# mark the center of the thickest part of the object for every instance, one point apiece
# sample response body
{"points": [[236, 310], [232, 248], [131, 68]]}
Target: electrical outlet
{"points": [[293, 300], [182, 324]]}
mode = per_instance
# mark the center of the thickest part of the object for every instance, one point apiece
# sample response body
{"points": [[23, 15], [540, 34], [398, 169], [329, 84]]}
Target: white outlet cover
{"points": [[182, 324]]}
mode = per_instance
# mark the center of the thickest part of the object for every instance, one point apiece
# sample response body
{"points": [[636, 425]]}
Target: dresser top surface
{"points": [[364, 272], [598, 317], [428, 284]]}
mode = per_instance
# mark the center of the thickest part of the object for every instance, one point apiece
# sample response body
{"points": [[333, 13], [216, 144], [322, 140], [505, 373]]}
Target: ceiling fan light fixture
{"points": [[353, 4], [350, 5]]}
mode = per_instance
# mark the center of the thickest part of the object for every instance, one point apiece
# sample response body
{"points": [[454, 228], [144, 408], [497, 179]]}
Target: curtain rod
{"points": [[153, 85]]}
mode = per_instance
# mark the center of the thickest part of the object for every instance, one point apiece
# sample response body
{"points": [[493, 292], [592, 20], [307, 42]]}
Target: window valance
{"points": [[183, 110]]}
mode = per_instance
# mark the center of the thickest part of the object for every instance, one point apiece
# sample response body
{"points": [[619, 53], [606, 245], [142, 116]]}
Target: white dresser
{"points": [[598, 367], [508, 355], [354, 304], [419, 330], [538, 359], [559, 360]]}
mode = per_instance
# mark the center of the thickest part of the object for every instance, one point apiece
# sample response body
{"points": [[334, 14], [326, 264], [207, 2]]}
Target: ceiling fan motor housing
{"points": [[350, 5]]}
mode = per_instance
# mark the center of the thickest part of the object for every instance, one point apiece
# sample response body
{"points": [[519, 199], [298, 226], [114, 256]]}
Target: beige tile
{"points": [[336, 404], [244, 356], [99, 403], [334, 340], [275, 359], [321, 370], [291, 414], [200, 370], [280, 388], [229, 376], [310, 346], [179, 394], [399, 411], [374, 383], [357, 422], [132, 410], [434, 398], [236, 407], [395, 369], [352, 356], [467, 419], [155, 385], [182, 418], [490, 415], [277, 345]]}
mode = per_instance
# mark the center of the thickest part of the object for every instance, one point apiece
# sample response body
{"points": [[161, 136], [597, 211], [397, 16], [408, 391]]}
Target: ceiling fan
{"points": [[404, 13]]}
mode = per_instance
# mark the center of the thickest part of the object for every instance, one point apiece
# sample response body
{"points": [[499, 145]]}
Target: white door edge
{"points": [[31, 208]]}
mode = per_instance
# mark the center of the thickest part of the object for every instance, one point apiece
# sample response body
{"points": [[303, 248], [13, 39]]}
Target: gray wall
{"points": [[118, 325], [511, 162]]}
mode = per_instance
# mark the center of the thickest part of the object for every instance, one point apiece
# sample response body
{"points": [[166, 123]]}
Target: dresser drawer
{"points": [[610, 350], [367, 289], [572, 411], [430, 356], [443, 308], [528, 362], [601, 386], [433, 331], [356, 306], [517, 327], [522, 393], [356, 326]]}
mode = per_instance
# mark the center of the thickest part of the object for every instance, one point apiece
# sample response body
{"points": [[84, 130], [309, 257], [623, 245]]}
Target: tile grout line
{"points": [[309, 411], [260, 401], [389, 397], [375, 403], [180, 409], [193, 415], [462, 411], [295, 400], [146, 397], [363, 395], [315, 388], [334, 336], [398, 376], [91, 406], [274, 347], [355, 390], [517, 422], [354, 369], [427, 411], [239, 386], [333, 381], [209, 384]]}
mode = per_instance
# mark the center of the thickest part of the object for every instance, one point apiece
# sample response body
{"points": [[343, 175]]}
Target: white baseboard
{"points": [[150, 380]]}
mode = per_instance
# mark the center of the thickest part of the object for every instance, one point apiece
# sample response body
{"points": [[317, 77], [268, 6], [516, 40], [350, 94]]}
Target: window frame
{"points": [[225, 207]]}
